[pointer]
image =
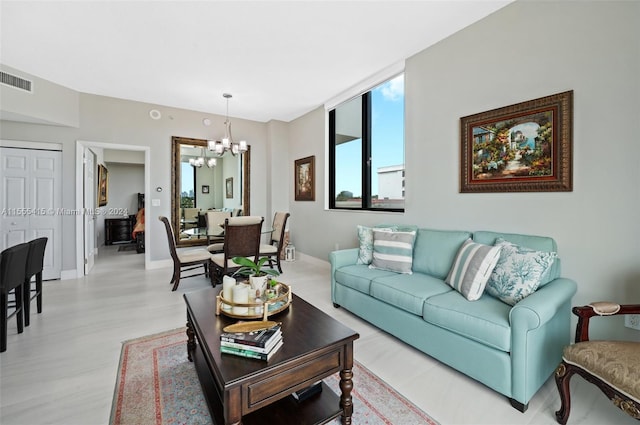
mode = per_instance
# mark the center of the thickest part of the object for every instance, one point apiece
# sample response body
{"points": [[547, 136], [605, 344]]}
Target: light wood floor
{"points": [[62, 369]]}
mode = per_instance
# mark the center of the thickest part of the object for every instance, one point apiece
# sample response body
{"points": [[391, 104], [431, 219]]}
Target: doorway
{"points": [[84, 239]]}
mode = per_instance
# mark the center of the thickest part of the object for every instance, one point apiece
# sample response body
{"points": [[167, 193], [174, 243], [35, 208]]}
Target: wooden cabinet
{"points": [[118, 230]]}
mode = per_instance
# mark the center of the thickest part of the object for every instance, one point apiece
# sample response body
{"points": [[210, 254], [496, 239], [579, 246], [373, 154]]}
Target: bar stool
{"points": [[35, 264], [13, 264]]}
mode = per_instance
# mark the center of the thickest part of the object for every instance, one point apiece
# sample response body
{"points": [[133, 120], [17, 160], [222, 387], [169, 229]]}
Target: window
{"points": [[188, 189], [366, 150]]}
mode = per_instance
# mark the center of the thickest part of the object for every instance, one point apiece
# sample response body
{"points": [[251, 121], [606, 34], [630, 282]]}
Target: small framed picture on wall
{"points": [[304, 178], [229, 187], [205, 188]]}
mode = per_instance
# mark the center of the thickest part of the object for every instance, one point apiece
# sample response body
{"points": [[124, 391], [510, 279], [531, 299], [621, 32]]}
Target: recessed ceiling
{"points": [[279, 59]]}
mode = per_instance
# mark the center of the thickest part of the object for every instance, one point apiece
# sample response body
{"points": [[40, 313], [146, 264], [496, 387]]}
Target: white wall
{"points": [[527, 50], [47, 103]]}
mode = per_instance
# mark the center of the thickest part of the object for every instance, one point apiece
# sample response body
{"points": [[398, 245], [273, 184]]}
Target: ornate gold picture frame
{"points": [[526, 147]]}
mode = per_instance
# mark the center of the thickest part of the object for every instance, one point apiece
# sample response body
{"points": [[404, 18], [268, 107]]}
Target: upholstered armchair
{"points": [[613, 366]]}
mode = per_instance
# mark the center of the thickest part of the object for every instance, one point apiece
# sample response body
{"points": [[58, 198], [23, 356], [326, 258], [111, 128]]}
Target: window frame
{"points": [[366, 156]]}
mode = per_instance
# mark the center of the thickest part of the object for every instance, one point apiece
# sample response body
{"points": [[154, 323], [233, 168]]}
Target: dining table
{"points": [[215, 233]]}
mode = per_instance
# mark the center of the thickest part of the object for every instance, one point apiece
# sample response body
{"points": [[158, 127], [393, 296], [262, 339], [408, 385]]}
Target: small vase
{"points": [[258, 284]]}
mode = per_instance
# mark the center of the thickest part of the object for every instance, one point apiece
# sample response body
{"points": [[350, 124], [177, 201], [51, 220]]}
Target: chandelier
{"points": [[227, 144], [202, 159]]}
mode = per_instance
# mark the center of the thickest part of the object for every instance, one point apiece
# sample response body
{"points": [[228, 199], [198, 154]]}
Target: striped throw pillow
{"points": [[472, 268], [392, 251]]}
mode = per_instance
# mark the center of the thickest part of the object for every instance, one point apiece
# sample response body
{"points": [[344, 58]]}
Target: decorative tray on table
{"points": [[274, 300]]}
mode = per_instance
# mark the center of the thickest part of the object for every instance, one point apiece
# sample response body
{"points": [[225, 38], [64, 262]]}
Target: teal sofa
{"points": [[511, 349]]}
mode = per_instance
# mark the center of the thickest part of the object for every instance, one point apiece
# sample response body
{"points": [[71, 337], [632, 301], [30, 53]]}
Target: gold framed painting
{"points": [[304, 178], [103, 185], [526, 147]]}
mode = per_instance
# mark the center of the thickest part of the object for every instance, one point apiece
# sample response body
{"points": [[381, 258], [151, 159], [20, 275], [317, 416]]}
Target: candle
{"points": [[241, 295], [227, 290]]}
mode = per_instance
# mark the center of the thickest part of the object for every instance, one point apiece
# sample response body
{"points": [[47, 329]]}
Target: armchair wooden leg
{"points": [[563, 376]]}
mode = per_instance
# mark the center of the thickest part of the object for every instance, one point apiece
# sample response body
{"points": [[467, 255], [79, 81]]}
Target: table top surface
{"points": [[214, 231], [305, 329]]}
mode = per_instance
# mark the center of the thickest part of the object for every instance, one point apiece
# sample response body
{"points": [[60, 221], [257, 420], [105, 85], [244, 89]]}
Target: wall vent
{"points": [[14, 81]]}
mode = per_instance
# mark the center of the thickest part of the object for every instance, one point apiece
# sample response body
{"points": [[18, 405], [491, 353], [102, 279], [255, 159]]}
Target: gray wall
{"points": [[524, 51], [116, 121], [125, 182]]}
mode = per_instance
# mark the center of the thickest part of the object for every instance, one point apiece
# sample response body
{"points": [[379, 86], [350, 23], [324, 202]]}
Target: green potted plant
{"points": [[257, 273]]}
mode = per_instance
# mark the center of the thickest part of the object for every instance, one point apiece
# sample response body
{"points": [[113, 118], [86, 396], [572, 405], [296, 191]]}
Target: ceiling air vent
{"points": [[14, 81]]}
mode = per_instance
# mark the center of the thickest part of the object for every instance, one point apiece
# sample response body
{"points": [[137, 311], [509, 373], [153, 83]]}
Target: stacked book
{"points": [[256, 345]]}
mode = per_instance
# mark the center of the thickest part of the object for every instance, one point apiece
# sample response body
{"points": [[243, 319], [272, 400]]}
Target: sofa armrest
{"points": [[540, 329], [344, 257], [341, 258], [541, 306]]}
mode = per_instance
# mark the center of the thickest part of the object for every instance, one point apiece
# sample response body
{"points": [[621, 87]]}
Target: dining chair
{"points": [[274, 248], [241, 239], [190, 218], [13, 264], [611, 365], [215, 223], [185, 260], [35, 265]]}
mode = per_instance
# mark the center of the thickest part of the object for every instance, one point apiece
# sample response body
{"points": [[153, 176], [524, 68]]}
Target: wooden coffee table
{"points": [[241, 390]]}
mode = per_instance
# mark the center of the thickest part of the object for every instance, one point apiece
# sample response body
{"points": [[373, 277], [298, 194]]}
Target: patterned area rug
{"points": [[156, 384]]}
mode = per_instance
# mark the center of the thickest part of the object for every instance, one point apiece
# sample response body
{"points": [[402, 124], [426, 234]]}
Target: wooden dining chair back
{"points": [[241, 239], [185, 260], [611, 365], [13, 264], [35, 266], [273, 249], [215, 223]]}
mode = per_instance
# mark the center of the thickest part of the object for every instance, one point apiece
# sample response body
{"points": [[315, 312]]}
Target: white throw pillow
{"points": [[472, 268], [518, 272]]}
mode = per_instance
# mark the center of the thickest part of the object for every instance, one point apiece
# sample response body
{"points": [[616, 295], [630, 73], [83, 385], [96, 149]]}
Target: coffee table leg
{"points": [[191, 341], [346, 403]]}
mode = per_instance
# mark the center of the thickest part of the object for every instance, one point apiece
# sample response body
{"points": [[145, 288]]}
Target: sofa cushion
{"points": [[538, 243], [435, 250], [518, 273], [392, 251], [471, 268], [359, 277], [407, 292], [485, 320], [365, 238]]}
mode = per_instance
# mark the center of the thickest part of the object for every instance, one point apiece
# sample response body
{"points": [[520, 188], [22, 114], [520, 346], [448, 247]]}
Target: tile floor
{"points": [[62, 369]]}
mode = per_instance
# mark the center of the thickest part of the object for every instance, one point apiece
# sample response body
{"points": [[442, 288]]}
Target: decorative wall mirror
{"points": [[203, 186]]}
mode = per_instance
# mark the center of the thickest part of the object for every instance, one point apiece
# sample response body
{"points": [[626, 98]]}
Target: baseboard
{"points": [[310, 259], [158, 264], [70, 274]]}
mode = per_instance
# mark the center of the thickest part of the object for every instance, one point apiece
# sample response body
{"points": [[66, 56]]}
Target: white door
{"points": [[31, 201], [89, 210]]}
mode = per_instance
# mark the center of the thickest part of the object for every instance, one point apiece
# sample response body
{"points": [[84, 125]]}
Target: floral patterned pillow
{"points": [[518, 272], [365, 236]]}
